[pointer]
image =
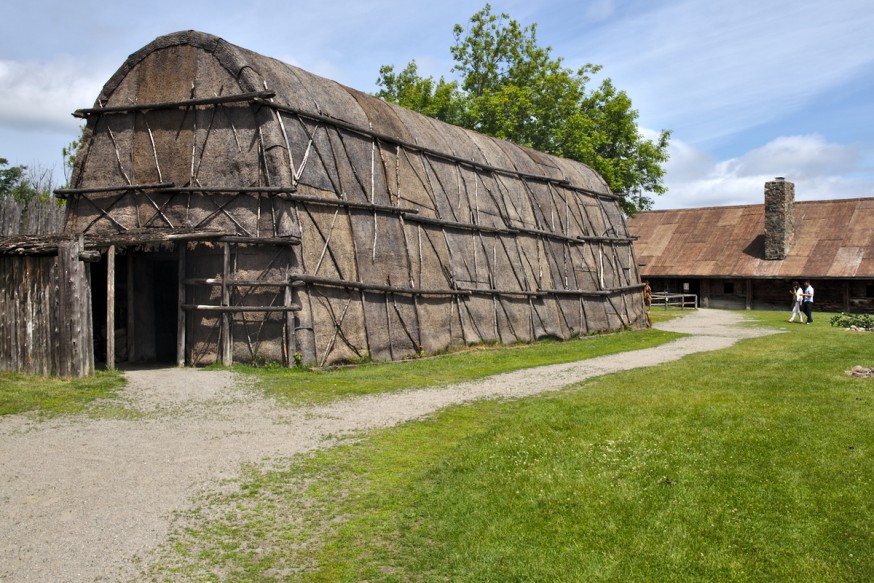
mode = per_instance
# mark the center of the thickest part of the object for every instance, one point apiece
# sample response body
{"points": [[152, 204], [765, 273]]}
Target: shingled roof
{"points": [[833, 239]]}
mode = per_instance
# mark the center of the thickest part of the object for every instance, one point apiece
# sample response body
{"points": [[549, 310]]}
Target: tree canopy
{"points": [[19, 183], [509, 86]]}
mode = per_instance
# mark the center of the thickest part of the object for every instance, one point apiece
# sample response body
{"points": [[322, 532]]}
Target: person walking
{"points": [[807, 302], [797, 298]]}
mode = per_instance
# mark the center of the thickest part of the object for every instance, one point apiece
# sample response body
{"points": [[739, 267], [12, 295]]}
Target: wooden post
{"points": [[749, 294], [87, 316], [110, 308], [290, 344], [131, 333], [77, 358], [227, 342], [847, 296], [64, 316], [180, 313]]}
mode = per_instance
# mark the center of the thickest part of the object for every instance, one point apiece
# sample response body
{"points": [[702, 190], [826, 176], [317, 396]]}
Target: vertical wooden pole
{"points": [[110, 308], [847, 296], [65, 318], [131, 332], [180, 312], [749, 294], [227, 341], [290, 345], [87, 315]]}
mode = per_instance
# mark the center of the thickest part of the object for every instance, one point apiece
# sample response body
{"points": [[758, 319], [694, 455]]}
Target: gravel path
{"points": [[82, 498]]}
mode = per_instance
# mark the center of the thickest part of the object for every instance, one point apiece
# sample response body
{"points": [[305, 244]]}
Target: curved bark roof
{"points": [[310, 94]]}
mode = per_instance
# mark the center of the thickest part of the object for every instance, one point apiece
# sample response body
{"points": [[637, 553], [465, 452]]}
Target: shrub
{"points": [[843, 320]]}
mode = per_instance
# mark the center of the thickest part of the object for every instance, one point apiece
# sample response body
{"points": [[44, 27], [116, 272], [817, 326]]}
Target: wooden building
{"points": [[748, 256], [237, 208]]}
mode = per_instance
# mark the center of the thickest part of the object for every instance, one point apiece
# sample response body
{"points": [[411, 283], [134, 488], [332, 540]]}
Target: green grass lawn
{"points": [[300, 386], [755, 463], [20, 393]]}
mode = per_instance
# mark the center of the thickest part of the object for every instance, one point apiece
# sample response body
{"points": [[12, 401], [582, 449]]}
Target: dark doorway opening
{"points": [[166, 283], [152, 300], [146, 289]]}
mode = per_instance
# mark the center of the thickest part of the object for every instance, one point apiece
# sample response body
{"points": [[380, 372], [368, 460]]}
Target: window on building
{"points": [[869, 291], [728, 287]]}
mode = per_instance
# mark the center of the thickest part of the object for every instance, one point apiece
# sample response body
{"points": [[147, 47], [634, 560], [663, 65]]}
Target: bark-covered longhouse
{"points": [[246, 210]]}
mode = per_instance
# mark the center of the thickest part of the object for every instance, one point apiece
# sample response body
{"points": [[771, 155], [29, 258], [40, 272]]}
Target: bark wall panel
{"points": [[339, 319], [545, 318]]}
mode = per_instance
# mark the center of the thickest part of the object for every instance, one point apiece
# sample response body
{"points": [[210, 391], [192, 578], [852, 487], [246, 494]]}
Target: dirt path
{"points": [[81, 499]]}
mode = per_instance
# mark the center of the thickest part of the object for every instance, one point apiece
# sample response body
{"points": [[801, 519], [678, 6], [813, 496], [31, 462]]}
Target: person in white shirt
{"points": [[807, 302], [797, 297]]}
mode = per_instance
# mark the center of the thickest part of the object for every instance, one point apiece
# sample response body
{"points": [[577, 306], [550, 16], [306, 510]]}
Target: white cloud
{"points": [[711, 69], [820, 170], [599, 10], [42, 95], [798, 157]]}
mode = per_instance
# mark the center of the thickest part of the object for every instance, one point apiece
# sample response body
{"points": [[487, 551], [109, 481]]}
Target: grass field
{"points": [[21, 393], [302, 387], [752, 463]]}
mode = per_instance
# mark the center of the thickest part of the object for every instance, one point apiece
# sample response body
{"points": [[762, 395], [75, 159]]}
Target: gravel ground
{"points": [[84, 499]]}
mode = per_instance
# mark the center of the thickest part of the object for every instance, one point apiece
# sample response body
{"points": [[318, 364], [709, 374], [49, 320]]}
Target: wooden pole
{"points": [[227, 343], [65, 318], [87, 316], [847, 296], [131, 333], [290, 344], [110, 308], [180, 313]]}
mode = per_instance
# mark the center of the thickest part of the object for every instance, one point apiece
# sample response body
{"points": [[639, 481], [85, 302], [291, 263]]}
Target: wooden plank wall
{"points": [[33, 218], [45, 313]]}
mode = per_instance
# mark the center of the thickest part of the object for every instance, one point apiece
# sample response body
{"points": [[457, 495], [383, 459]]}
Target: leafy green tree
{"points": [[10, 178], [20, 184], [511, 87], [437, 99]]}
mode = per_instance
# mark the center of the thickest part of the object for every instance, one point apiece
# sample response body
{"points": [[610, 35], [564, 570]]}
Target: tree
{"points": [[512, 88], [10, 178], [19, 183]]}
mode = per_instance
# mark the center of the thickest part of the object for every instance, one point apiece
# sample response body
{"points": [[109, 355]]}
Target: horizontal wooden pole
{"points": [[64, 193], [458, 225], [594, 293], [290, 240], [372, 287], [239, 98], [349, 204], [237, 309], [212, 281], [233, 189], [502, 292], [514, 231]]}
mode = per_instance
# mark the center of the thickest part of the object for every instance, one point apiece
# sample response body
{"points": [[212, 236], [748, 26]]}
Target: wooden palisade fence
{"points": [[45, 321]]}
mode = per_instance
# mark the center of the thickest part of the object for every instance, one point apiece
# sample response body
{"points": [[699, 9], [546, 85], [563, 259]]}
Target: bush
{"points": [[843, 320]]}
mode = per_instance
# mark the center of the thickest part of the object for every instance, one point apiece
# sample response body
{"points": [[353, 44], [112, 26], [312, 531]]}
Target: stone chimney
{"points": [[779, 218]]}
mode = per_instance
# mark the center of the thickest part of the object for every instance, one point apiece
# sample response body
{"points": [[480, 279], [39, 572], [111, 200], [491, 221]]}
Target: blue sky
{"points": [[752, 89]]}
